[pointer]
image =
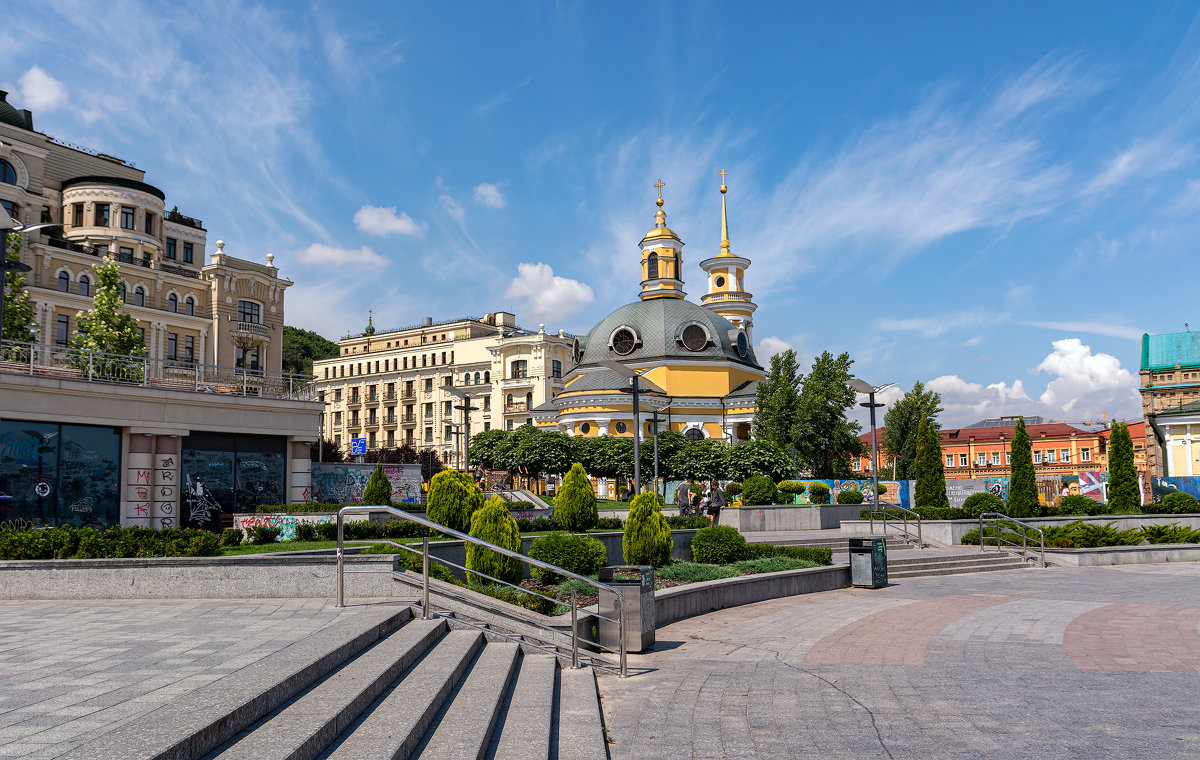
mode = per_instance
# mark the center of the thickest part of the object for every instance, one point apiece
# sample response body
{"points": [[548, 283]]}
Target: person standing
{"points": [[716, 500], [683, 497]]}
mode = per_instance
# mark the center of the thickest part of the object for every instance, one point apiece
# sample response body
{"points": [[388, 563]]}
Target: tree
{"points": [[1022, 484], [544, 451], [379, 489], [18, 305], [700, 460], [301, 347], [758, 458], [484, 445], [902, 426], [1124, 494], [931, 477], [825, 440], [453, 498], [329, 452], [431, 463], [647, 539], [575, 502], [495, 524], [778, 400], [107, 327]]}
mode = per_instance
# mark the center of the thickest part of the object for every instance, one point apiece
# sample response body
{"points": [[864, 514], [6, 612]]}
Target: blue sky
{"points": [[996, 199]]}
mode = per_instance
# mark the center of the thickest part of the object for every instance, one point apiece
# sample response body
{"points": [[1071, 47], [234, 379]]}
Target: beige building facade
{"points": [[391, 387], [1170, 384]]}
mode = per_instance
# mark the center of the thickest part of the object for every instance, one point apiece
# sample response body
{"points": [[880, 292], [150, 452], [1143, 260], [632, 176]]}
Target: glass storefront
{"points": [[230, 473], [54, 474]]}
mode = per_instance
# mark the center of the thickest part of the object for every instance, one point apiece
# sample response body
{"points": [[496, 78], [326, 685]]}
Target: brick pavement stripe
{"points": [[1156, 638]]}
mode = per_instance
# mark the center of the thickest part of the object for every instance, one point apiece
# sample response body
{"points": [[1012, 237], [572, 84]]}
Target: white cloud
{"points": [[547, 295], [1087, 384], [973, 342], [1094, 328], [451, 207], [1142, 157], [934, 326], [488, 194], [965, 403], [1017, 294], [319, 253], [380, 221], [769, 346], [503, 97], [40, 92]]}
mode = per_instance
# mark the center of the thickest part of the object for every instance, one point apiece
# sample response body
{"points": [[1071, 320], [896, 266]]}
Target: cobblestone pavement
{"points": [[1056, 663], [70, 671]]}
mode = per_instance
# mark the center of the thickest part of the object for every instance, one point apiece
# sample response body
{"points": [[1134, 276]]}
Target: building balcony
{"points": [[251, 330], [408, 396], [188, 221], [708, 298], [390, 421], [354, 401], [390, 398], [515, 407], [410, 419], [372, 399]]}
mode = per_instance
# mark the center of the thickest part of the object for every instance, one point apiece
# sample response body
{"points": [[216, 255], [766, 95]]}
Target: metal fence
{"points": [[67, 363]]}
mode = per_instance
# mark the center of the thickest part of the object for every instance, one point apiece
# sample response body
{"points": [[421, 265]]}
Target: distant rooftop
{"points": [[1010, 420], [1170, 350]]}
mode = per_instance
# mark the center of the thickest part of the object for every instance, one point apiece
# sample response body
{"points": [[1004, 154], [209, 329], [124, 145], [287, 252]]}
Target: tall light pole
{"points": [[654, 422], [466, 408], [861, 386], [637, 386]]}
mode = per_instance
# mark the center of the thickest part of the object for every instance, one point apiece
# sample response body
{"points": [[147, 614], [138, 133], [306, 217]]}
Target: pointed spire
{"points": [[724, 218], [660, 216]]}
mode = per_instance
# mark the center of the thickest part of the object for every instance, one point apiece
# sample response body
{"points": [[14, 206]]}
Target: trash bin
{"points": [[637, 581], [868, 562]]}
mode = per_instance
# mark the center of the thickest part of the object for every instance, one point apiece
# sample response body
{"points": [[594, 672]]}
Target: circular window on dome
{"points": [[694, 337], [623, 340], [585, 428], [694, 434], [743, 345], [720, 282], [622, 427]]}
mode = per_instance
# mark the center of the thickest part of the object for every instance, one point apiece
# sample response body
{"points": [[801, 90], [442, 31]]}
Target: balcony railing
{"points": [[181, 271], [717, 297], [96, 367], [516, 406], [188, 221], [408, 419], [408, 395]]}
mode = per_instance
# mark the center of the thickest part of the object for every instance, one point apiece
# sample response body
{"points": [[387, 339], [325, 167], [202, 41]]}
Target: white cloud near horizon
{"points": [[487, 194], [547, 295], [769, 346], [320, 253], [39, 92], [383, 220]]}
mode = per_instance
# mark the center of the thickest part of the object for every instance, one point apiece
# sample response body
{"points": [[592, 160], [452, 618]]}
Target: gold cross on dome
{"points": [[660, 185], [723, 173]]}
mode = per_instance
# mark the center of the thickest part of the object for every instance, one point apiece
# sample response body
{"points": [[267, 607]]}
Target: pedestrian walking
{"points": [[716, 500]]}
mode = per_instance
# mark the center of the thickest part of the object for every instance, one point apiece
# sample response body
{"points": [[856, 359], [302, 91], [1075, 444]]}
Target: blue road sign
{"points": [[358, 446]]}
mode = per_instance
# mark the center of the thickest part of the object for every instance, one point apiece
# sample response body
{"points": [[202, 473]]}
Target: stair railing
{"points": [[576, 638], [994, 520], [899, 515]]}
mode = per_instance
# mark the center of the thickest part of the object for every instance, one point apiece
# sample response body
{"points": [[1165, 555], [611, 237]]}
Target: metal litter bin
{"points": [[637, 617], [868, 563]]}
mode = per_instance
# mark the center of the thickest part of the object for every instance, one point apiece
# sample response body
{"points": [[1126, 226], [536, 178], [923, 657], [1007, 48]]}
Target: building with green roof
{"points": [[1170, 387]]}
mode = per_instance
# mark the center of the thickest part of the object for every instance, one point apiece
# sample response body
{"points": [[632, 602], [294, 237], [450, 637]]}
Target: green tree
{"points": [[575, 502], [1022, 484], [18, 304], [825, 440], [453, 498], [107, 327], [329, 451], [494, 523], [544, 451], [484, 445], [778, 401], [647, 539], [931, 477], [700, 460], [758, 458], [379, 489], [902, 427], [1124, 496], [301, 347]]}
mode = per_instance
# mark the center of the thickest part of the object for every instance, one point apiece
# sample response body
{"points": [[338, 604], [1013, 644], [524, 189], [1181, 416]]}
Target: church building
{"points": [[700, 356]]}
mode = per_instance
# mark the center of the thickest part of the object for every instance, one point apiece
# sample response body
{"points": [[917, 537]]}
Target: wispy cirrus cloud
{"points": [[937, 325], [503, 97]]}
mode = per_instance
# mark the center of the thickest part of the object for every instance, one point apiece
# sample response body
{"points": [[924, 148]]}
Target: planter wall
{"points": [[778, 517], [950, 532]]}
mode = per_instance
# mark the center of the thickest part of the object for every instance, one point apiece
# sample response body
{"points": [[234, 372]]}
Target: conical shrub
{"points": [[647, 539], [575, 502], [494, 524], [379, 489], [453, 498]]}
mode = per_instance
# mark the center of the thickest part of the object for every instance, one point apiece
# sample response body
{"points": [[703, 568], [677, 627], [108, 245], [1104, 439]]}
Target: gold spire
{"points": [[660, 217], [724, 218]]}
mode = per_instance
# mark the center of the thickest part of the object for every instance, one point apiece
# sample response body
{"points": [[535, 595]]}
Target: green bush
{"points": [[732, 491], [378, 492], [264, 535], [453, 498], [978, 503], [231, 537], [647, 539], [69, 542], [793, 487], [609, 523], [1077, 504], [532, 602], [850, 497], [818, 493], [538, 525], [757, 489], [306, 532], [413, 561], [695, 572], [316, 506], [809, 554], [719, 545], [770, 565], [579, 554], [575, 502], [495, 525], [1179, 503], [685, 522]]}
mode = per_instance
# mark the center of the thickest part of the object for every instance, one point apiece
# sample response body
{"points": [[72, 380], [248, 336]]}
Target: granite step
{"points": [[464, 730], [956, 568], [527, 721], [578, 721]]}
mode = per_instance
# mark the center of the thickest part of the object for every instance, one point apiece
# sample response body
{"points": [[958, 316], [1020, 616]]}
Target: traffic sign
{"points": [[358, 446]]}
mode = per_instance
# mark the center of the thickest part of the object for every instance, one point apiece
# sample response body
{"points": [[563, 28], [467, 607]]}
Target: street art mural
{"points": [[345, 483], [1094, 485], [1161, 487]]}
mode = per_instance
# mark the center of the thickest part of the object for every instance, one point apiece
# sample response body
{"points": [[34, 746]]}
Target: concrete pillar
{"points": [[136, 500], [165, 510]]}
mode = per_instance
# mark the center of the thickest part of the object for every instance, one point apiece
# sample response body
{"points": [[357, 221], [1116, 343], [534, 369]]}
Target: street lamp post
{"points": [[862, 386], [654, 422], [466, 408], [637, 386]]}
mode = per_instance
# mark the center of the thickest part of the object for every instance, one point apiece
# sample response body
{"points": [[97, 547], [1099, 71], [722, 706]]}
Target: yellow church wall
{"points": [[706, 382], [714, 430]]}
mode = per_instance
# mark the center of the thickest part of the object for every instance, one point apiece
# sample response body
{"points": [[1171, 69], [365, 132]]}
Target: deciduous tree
{"points": [[902, 426], [825, 440], [778, 401], [18, 305], [107, 327]]}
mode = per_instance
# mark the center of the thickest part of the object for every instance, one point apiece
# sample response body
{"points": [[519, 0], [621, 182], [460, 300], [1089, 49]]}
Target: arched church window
{"points": [[652, 267], [694, 434]]}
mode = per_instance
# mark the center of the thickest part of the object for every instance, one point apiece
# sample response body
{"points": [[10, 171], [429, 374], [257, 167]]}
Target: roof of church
{"points": [[658, 323]]}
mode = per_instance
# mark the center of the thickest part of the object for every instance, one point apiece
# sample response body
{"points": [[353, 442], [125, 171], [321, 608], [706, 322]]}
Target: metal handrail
{"points": [[619, 594], [904, 512], [996, 517]]}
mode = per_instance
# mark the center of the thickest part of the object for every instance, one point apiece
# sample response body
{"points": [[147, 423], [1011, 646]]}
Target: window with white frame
{"points": [[962, 460], [949, 460], [996, 458], [1085, 455], [980, 460], [1066, 456], [1037, 457], [1050, 456]]}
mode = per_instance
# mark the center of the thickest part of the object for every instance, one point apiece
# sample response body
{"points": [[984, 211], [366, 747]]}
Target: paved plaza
{"points": [[1056, 663]]}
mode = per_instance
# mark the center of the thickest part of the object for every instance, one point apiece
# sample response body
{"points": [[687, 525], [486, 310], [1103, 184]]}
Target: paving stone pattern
{"points": [[1055, 663], [70, 671]]}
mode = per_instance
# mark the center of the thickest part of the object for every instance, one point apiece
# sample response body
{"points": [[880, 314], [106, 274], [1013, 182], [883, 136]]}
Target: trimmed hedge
{"points": [[69, 542], [579, 554], [719, 545], [809, 554], [1084, 535], [758, 490], [850, 497], [263, 534], [985, 501], [316, 506], [818, 493], [231, 537], [1179, 503], [732, 491]]}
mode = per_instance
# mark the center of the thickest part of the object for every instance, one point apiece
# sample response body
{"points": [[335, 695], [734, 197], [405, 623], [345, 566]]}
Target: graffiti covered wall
{"points": [[345, 483]]}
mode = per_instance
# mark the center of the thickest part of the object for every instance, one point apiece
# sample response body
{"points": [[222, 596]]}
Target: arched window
{"points": [[172, 303], [139, 296], [189, 306], [121, 291], [487, 377], [467, 379], [652, 267], [8, 175], [64, 282], [85, 285], [529, 400], [477, 378], [510, 399], [694, 434]]}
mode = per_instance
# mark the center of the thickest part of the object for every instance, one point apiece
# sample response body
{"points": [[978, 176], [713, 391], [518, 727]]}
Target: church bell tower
{"points": [[726, 295], [662, 258]]}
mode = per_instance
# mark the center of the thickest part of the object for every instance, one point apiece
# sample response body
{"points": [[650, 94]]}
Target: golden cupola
{"points": [[662, 257], [726, 295]]}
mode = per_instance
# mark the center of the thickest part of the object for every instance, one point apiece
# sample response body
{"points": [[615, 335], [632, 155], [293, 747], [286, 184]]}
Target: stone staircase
{"points": [[379, 685], [953, 564]]}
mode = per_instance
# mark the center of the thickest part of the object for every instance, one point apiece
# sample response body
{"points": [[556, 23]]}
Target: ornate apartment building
{"points": [[390, 387], [226, 312], [1170, 390]]}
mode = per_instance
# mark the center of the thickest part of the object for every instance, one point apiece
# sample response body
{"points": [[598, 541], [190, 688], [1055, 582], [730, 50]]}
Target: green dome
{"points": [[658, 326]]}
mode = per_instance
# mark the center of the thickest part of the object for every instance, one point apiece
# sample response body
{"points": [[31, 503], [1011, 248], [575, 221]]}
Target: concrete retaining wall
{"points": [[681, 602], [1124, 555], [950, 532], [789, 517]]}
